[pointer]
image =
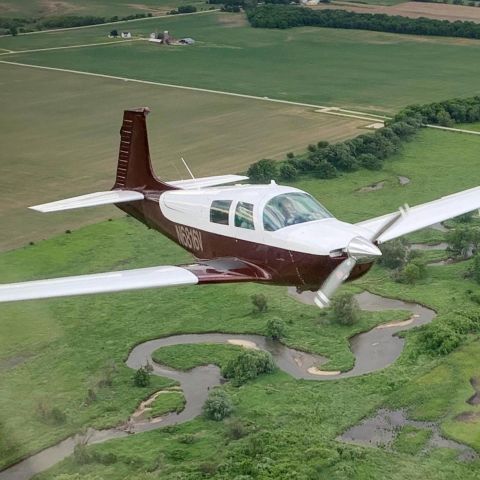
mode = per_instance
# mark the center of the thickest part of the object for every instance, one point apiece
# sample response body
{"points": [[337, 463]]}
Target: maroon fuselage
{"points": [[281, 266]]}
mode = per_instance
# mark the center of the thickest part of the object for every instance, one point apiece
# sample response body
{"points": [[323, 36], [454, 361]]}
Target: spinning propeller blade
{"points": [[359, 249]]}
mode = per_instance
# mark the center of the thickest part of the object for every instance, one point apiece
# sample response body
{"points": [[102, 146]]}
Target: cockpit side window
{"points": [[292, 208], [244, 215], [219, 211]]}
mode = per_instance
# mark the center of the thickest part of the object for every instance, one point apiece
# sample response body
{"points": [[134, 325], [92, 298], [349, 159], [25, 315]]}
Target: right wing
{"points": [[210, 271], [425, 215]]}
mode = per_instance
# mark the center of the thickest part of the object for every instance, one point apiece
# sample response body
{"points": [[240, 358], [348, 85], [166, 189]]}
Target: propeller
{"points": [[359, 250]]}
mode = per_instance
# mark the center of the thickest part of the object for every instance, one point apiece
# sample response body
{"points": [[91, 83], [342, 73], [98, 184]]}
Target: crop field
{"points": [[42, 8], [437, 11], [367, 71], [79, 339], [64, 140]]}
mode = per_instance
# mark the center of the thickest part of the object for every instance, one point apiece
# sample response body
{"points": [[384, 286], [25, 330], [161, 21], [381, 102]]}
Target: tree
{"points": [[345, 309], [259, 301], [248, 365], [141, 378], [13, 30], [263, 171], [275, 328], [218, 405], [114, 33]]}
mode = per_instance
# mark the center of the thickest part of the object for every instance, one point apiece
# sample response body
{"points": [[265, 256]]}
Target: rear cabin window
{"points": [[219, 211], [244, 215]]}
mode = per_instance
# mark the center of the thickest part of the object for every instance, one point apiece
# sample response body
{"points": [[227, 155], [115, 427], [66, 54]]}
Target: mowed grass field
{"points": [[78, 337], [62, 135], [357, 69]]}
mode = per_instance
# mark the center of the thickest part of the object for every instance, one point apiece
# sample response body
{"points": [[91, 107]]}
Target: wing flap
{"points": [[426, 214], [90, 200], [206, 181]]}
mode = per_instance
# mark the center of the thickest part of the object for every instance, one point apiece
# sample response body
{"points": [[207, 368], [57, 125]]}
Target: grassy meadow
{"points": [[80, 339], [357, 69]]}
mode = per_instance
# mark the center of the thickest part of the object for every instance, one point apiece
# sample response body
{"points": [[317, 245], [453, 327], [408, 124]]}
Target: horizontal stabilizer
{"points": [[98, 283], [90, 200], [426, 214], [206, 181]]}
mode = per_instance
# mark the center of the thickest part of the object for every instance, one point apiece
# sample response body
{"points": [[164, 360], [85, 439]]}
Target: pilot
{"points": [[290, 216]]}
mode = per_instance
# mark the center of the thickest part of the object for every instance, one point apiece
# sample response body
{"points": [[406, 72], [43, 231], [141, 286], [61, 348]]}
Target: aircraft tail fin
{"points": [[134, 169]]}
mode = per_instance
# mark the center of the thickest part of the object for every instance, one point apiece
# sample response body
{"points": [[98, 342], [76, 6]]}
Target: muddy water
{"points": [[382, 429], [379, 347], [373, 350]]}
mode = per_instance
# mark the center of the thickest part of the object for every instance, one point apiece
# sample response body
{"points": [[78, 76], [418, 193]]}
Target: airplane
{"points": [[237, 233]]}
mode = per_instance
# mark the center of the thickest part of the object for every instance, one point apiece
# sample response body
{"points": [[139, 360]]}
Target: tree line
{"points": [[369, 150], [288, 16], [23, 25]]}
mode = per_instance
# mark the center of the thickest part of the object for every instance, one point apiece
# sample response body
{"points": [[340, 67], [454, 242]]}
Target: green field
{"points": [[357, 69], [64, 140], [78, 338]]}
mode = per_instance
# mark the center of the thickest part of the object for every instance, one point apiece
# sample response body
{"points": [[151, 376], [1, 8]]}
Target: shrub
{"points": [[218, 405], [275, 328], [248, 365], [288, 172], [322, 144], [440, 338], [370, 162], [263, 171], [325, 170], [411, 273], [345, 309], [462, 239], [259, 301], [187, 9], [236, 429], [141, 378], [394, 253], [475, 269]]}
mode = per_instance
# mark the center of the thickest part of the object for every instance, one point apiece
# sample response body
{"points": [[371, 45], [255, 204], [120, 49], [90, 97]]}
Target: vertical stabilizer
{"points": [[134, 169]]}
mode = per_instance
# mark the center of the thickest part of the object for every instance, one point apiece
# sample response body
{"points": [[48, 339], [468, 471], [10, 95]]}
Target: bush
{"points": [[325, 170], [475, 269], [263, 171], [248, 365], [236, 430], [275, 328], [462, 239], [440, 338], [288, 172], [345, 309], [370, 162], [394, 253], [141, 378], [218, 405], [411, 273], [259, 301], [187, 9]]}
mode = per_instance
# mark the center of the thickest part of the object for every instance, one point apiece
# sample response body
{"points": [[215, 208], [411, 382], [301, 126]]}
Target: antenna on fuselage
{"points": [[187, 167]]}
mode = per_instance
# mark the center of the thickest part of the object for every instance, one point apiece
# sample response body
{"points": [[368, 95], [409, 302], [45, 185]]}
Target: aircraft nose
{"points": [[362, 250]]}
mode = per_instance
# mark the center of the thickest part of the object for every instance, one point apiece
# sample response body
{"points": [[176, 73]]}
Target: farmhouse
{"points": [[166, 39]]}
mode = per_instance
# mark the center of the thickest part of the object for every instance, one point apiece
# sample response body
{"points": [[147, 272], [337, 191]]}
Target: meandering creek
{"points": [[373, 350]]}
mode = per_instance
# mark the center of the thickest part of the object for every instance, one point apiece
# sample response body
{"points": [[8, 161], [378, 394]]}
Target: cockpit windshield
{"points": [[291, 208]]}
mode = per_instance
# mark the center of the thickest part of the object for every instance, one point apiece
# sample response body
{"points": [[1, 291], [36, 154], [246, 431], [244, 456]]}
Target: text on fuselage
{"points": [[189, 237]]}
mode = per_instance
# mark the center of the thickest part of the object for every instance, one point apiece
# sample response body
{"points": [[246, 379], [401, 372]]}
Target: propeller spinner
{"points": [[359, 250]]}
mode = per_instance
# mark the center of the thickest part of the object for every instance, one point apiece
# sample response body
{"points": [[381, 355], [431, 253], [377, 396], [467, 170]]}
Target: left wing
{"points": [[424, 215], [211, 271]]}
